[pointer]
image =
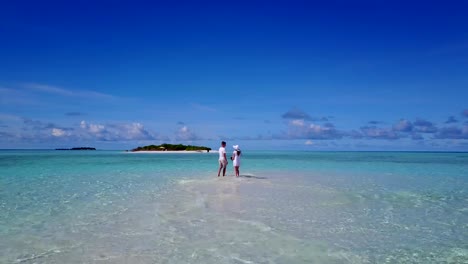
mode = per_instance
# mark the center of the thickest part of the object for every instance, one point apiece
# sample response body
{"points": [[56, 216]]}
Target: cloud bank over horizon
{"points": [[298, 125]]}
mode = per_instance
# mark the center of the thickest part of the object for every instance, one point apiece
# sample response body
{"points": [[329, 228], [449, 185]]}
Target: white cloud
{"points": [[135, 131], [64, 92], [116, 132], [403, 126], [319, 129], [424, 126], [297, 122], [92, 128], [48, 89], [373, 132], [185, 134], [300, 129], [57, 132], [309, 142]]}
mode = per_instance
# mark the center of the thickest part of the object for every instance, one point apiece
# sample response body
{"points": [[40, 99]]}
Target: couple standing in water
{"points": [[223, 159]]}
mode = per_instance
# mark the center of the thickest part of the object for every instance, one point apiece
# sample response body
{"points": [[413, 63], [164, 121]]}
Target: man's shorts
{"points": [[222, 163]]}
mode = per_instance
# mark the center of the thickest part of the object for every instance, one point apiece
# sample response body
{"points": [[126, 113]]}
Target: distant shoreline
{"points": [[169, 151]]}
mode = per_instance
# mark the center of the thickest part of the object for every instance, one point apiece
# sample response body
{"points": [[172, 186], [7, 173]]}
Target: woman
{"points": [[236, 159]]}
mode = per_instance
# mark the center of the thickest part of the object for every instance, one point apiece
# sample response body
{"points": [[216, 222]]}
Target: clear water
{"points": [[288, 207]]}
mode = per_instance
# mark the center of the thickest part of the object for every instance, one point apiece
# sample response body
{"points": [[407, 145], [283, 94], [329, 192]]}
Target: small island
{"points": [[80, 148], [172, 147]]}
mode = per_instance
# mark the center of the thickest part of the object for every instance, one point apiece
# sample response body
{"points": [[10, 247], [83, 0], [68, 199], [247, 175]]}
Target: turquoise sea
{"points": [[287, 207]]}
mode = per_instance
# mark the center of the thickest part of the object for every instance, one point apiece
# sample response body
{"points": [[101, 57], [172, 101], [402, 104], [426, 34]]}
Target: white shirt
{"points": [[222, 151], [236, 160]]}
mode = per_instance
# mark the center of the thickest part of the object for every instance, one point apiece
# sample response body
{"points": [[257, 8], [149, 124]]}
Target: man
{"points": [[222, 159]]}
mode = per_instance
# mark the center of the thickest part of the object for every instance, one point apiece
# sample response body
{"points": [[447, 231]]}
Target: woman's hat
{"points": [[236, 147]]}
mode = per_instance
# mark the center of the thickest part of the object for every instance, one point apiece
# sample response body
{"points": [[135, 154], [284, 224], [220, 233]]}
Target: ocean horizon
{"points": [[111, 206]]}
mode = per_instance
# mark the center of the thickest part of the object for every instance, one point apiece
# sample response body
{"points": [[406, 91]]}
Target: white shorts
{"points": [[222, 163]]}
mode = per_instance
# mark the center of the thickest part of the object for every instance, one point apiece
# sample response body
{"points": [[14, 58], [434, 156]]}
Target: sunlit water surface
{"points": [[287, 207]]}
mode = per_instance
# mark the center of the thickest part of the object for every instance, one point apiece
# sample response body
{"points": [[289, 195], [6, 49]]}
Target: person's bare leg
{"points": [[219, 170], [224, 171]]}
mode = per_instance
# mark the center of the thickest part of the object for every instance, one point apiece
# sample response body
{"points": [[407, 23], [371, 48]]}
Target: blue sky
{"points": [[340, 75]]}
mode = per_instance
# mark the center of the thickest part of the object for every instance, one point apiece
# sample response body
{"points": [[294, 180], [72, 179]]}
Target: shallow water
{"points": [[288, 207]]}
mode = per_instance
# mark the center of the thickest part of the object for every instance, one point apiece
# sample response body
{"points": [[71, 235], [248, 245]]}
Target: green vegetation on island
{"points": [[80, 148], [172, 147]]}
